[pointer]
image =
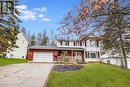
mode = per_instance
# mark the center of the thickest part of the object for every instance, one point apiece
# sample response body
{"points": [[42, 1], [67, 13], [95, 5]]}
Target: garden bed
{"points": [[63, 68]]}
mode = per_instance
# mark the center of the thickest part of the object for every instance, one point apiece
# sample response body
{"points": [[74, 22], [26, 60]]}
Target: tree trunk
{"points": [[123, 52]]}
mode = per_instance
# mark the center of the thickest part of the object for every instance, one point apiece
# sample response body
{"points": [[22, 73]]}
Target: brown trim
{"points": [[85, 43], [74, 43], [80, 43]]}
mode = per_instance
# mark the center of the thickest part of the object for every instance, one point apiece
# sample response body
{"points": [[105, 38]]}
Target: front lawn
{"points": [[93, 75], [5, 61]]}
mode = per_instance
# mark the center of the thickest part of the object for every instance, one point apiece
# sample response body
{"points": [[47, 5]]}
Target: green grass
{"points": [[5, 61], [93, 75]]}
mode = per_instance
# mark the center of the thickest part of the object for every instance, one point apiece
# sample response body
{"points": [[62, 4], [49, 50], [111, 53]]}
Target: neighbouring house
{"points": [[21, 51], [114, 59], [86, 49]]}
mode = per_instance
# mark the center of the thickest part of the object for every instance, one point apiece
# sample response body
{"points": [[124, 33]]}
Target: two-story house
{"points": [[86, 49], [21, 51]]}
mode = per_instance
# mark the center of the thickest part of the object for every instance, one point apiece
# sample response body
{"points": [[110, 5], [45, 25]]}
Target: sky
{"points": [[37, 15]]}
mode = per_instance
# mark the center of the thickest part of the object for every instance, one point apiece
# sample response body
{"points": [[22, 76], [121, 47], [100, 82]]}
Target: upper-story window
{"points": [[97, 43], [92, 44], [61, 43], [77, 43], [84, 43], [80, 43], [66, 43]]}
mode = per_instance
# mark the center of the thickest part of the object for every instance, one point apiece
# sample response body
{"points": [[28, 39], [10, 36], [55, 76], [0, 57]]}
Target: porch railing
{"points": [[71, 59]]}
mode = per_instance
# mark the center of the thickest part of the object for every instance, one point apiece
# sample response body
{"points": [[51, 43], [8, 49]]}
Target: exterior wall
{"points": [[92, 48], [31, 52], [92, 60], [87, 45], [90, 45], [128, 63], [21, 51], [115, 61]]}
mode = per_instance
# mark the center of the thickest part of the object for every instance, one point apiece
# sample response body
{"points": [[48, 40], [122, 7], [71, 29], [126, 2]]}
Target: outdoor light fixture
{"points": [[30, 53]]}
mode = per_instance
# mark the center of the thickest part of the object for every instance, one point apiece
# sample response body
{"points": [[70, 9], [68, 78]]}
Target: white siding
{"points": [[91, 59], [114, 61], [71, 43], [22, 43], [92, 49], [128, 63], [91, 46]]}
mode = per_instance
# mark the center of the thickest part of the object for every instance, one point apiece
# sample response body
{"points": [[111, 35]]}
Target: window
{"points": [[12, 55], [61, 43], [93, 55], [98, 54], [80, 43], [92, 44], [67, 43], [97, 43], [86, 54]]}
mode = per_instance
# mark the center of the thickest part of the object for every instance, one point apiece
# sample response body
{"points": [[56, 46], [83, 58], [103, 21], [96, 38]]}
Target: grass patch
{"points": [[6, 61], [93, 75]]}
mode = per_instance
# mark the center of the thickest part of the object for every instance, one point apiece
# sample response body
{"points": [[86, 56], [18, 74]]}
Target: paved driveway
{"points": [[24, 75]]}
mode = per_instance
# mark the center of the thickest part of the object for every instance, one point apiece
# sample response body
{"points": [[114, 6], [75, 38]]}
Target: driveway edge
{"points": [[45, 84]]}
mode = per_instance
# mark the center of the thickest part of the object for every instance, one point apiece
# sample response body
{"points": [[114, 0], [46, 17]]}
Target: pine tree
{"points": [[33, 40], [9, 24]]}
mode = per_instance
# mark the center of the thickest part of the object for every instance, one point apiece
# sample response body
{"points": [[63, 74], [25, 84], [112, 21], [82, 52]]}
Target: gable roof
{"points": [[24, 36]]}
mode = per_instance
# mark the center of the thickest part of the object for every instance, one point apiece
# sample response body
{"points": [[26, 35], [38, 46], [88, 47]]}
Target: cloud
{"points": [[32, 14], [28, 15], [21, 7], [40, 15], [43, 9], [46, 19]]}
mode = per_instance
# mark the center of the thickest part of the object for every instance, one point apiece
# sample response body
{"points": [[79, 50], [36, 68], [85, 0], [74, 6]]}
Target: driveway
{"points": [[24, 75]]}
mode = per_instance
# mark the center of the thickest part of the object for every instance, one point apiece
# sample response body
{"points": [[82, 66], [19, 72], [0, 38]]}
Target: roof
{"points": [[55, 48], [92, 37], [42, 47], [84, 37]]}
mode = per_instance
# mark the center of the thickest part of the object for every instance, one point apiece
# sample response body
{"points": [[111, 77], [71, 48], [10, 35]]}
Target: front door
{"points": [[77, 55]]}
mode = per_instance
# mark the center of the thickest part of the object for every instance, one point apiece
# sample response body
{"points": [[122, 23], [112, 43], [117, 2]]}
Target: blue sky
{"points": [[37, 15]]}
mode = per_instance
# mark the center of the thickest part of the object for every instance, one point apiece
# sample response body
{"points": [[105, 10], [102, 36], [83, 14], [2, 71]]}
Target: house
{"points": [[86, 49], [21, 51], [114, 59]]}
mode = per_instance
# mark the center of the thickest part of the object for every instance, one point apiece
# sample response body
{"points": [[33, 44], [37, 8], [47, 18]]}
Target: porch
{"points": [[71, 56]]}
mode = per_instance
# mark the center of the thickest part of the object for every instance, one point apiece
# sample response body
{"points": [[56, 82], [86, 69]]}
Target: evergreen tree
{"points": [[33, 40], [9, 24], [45, 39]]}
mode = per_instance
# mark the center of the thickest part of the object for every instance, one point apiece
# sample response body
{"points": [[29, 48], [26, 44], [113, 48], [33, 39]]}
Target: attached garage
{"points": [[42, 57], [42, 53]]}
